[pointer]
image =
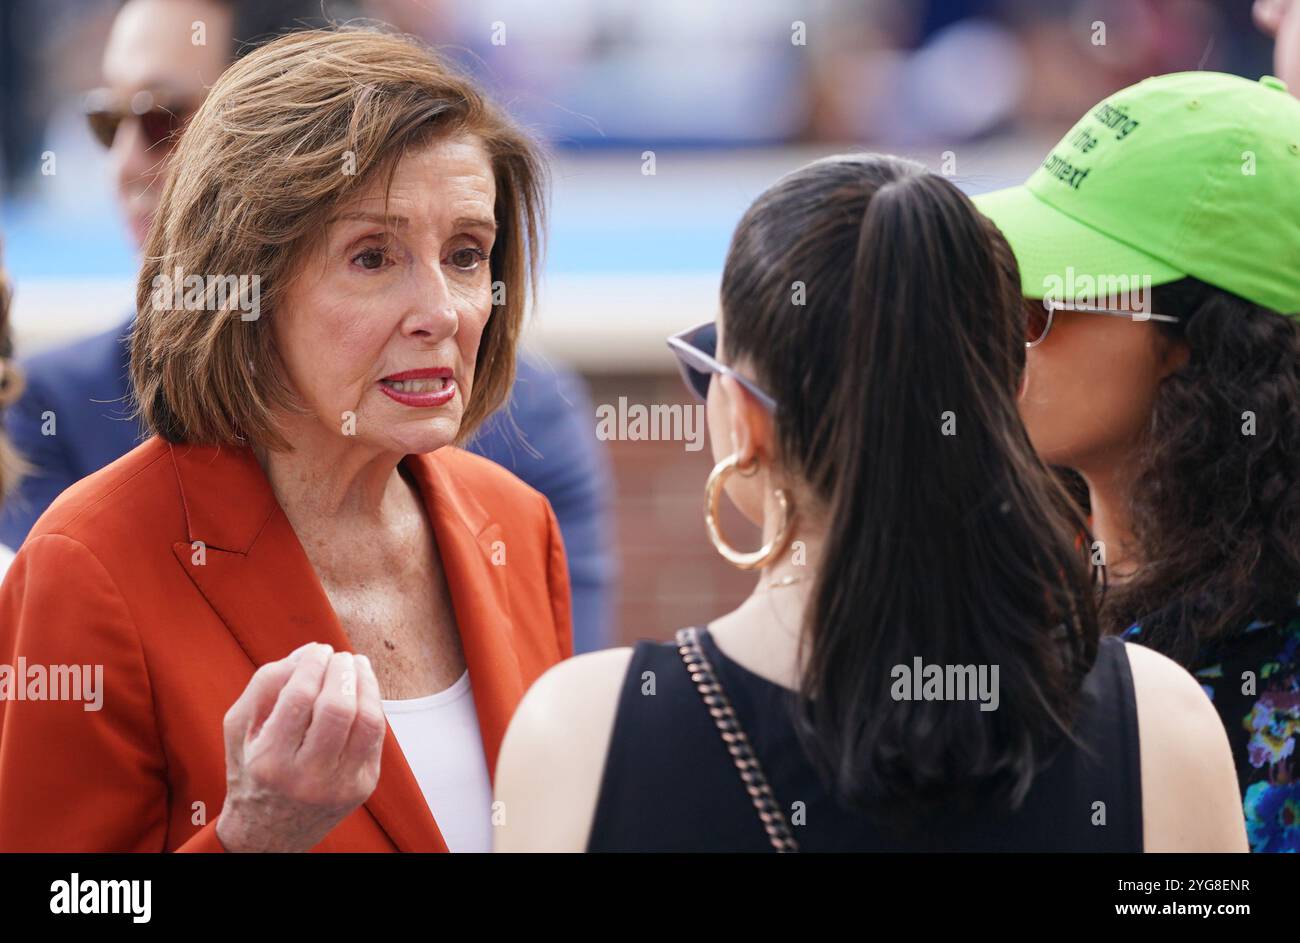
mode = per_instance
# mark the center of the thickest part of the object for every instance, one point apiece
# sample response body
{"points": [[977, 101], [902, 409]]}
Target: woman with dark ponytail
{"points": [[919, 665]]}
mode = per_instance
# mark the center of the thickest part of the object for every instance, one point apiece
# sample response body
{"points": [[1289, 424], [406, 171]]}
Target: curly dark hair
{"points": [[1217, 508]]}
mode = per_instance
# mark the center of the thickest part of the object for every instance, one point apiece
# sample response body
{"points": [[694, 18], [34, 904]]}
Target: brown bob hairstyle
{"points": [[286, 134]]}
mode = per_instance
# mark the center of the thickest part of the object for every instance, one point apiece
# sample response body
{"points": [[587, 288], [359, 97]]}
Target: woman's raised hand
{"points": [[303, 745]]}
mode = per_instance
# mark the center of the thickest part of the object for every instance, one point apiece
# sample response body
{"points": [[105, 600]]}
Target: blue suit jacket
{"points": [[75, 418]]}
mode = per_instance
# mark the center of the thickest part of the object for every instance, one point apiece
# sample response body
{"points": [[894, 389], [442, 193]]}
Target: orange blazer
{"points": [[108, 577]]}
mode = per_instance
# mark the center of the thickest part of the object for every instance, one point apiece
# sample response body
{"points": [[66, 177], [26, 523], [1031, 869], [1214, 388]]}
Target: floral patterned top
{"points": [[1254, 681]]}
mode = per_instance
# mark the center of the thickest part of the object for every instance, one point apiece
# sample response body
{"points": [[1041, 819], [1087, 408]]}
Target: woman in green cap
{"points": [[1159, 244]]}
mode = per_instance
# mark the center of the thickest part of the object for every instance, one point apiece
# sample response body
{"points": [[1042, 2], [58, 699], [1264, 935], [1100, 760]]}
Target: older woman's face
{"points": [[380, 328]]}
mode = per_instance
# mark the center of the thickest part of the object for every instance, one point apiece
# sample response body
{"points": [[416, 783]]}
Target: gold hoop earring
{"points": [[713, 495]]}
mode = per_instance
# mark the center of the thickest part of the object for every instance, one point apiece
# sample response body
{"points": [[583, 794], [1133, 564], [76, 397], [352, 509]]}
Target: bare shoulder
{"points": [[574, 693], [1190, 798], [553, 755], [1159, 676]]}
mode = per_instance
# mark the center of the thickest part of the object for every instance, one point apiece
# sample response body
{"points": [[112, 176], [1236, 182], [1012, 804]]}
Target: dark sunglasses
{"points": [[696, 350], [1041, 315], [159, 121]]}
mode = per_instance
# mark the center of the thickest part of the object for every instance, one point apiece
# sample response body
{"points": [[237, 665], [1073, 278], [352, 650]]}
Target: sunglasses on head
{"points": [[160, 121], [696, 351], [1041, 315]]}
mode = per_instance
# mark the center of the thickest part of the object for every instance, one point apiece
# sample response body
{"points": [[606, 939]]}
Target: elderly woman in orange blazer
{"points": [[299, 617]]}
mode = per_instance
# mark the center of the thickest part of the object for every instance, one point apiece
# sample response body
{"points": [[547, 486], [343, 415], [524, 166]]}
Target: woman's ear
{"points": [[1268, 15], [1174, 355], [752, 431]]}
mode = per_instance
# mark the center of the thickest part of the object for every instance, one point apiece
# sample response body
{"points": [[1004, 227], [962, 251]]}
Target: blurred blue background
{"points": [[706, 85]]}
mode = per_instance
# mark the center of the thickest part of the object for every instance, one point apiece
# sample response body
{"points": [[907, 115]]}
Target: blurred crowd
{"points": [[594, 73]]}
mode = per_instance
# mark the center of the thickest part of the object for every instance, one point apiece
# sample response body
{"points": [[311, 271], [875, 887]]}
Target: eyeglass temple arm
{"points": [[1053, 306]]}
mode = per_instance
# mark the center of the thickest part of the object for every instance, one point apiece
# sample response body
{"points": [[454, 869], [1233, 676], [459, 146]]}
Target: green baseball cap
{"points": [[1190, 174]]}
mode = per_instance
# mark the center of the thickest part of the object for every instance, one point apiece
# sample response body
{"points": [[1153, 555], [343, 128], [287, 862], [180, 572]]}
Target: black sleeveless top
{"points": [[670, 784]]}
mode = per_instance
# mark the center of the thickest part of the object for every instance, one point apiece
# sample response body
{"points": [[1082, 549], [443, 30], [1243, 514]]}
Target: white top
{"points": [[6, 558], [439, 736]]}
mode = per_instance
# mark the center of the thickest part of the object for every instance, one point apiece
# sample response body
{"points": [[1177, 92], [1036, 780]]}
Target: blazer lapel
{"points": [[473, 552], [245, 559]]}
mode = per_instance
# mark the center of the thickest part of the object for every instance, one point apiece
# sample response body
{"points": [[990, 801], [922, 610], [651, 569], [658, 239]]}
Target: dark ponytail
{"points": [[948, 540]]}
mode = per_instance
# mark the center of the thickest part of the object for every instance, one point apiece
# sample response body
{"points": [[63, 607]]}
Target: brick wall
{"points": [[670, 574]]}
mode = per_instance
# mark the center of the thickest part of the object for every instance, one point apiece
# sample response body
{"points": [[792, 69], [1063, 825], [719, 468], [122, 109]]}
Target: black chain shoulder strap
{"points": [[737, 743]]}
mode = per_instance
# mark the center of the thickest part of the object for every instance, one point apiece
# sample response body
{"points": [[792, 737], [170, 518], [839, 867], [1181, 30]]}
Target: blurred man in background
{"points": [[75, 416], [1281, 20]]}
